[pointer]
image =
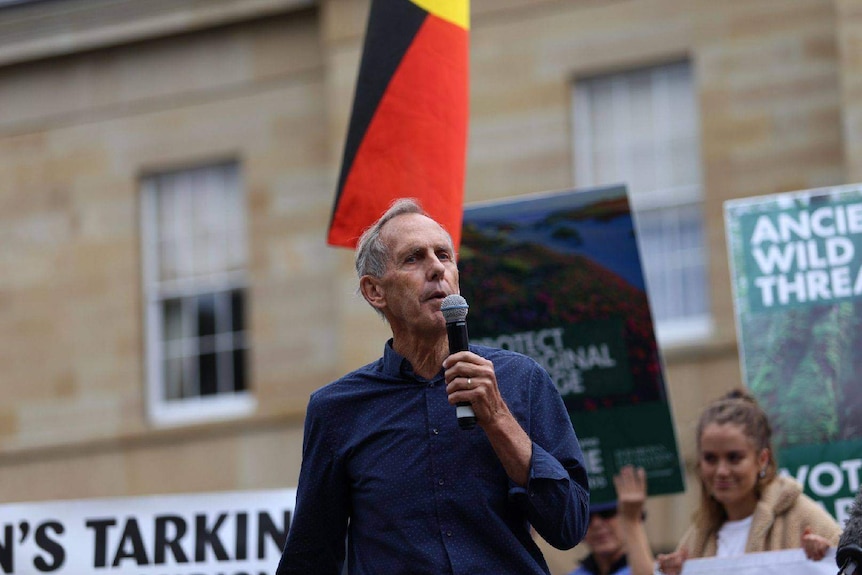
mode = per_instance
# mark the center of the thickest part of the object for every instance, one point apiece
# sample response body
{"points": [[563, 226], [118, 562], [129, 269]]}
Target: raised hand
{"points": [[630, 484], [815, 546], [671, 563]]}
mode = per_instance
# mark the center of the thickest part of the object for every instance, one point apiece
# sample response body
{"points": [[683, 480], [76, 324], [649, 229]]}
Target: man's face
{"points": [[604, 535], [421, 271]]}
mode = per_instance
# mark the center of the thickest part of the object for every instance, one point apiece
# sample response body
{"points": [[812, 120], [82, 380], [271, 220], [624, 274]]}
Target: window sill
{"points": [[712, 346]]}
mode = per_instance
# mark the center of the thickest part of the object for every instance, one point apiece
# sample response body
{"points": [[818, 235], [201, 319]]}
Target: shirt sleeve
{"points": [[557, 497], [316, 538]]}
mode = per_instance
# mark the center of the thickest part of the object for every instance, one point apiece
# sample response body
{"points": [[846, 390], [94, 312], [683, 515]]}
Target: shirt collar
{"points": [[397, 366]]}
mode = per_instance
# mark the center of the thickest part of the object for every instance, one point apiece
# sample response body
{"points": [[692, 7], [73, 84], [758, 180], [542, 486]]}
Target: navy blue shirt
{"points": [[385, 462]]}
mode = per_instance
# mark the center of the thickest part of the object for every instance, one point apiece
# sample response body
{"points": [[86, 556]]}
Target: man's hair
{"points": [[372, 254]]}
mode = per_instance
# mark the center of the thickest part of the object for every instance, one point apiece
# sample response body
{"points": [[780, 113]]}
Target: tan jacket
{"points": [[781, 515]]}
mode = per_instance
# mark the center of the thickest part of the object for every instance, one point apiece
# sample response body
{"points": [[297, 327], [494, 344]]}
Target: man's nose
{"points": [[436, 267]]}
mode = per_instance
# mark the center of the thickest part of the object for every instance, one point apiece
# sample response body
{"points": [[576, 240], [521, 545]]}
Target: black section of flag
{"points": [[392, 26]]}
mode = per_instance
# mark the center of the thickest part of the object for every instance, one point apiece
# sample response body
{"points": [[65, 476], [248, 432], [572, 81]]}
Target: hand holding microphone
{"points": [[454, 308]]}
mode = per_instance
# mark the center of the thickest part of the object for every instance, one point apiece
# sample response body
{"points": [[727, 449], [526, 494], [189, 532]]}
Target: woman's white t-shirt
{"points": [[732, 537]]}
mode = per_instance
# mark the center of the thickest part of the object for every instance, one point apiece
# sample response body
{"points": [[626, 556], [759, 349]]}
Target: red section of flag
{"points": [[415, 145]]}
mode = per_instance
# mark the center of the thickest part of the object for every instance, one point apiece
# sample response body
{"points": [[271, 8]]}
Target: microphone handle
{"points": [[459, 341], [848, 556], [849, 567]]}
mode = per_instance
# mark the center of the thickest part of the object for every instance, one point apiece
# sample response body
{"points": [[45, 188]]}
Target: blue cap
{"points": [[604, 506]]}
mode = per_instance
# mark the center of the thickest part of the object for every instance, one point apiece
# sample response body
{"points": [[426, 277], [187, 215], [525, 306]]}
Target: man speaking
{"points": [[385, 461]]}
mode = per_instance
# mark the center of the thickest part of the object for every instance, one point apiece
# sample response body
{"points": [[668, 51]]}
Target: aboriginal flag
{"points": [[408, 129]]}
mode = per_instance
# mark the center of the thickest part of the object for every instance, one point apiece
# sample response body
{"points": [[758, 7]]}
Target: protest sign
{"points": [[227, 533], [558, 277], [796, 264], [789, 562]]}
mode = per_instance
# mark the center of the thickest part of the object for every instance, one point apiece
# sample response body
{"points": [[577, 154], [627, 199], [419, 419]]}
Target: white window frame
{"points": [[156, 290], [691, 328]]}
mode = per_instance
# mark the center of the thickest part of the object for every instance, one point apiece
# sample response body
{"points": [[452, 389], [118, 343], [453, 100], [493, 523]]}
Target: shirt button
{"points": [[435, 431], [448, 534], [430, 385], [441, 482]]}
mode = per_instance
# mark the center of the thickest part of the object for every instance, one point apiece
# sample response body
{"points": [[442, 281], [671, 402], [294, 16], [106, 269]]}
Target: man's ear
{"points": [[372, 291]]}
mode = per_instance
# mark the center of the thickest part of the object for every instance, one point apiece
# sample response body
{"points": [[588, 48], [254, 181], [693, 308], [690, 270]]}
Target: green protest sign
{"points": [[796, 264]]}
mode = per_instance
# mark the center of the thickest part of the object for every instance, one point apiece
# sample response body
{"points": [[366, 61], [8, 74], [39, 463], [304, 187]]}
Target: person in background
{"points": [[616, 536], [745, 506], [384, 461]]}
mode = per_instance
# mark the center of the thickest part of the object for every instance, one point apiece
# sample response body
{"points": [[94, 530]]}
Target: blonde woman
{"points": [[745, 506]]}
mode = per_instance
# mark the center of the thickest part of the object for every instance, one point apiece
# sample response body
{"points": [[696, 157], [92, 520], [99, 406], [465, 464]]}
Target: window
{"points": [[641, 128], [194, 257]]}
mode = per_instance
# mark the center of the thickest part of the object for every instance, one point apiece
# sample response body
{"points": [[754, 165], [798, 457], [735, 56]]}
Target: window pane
{"points": [[174, 377], [237, 311], [239, 375], [173, 318], [206, 315], [166, 199], [208, 374]]}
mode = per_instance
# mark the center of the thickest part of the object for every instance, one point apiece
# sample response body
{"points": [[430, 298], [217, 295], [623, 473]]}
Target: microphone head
{"points": [[851, 538], [454, 308]]}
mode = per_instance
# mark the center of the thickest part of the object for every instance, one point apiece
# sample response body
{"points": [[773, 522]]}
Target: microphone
{"points": [[849, 553], [454, 308]]}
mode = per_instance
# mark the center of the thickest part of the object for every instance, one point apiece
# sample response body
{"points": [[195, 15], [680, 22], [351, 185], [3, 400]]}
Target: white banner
{"points": [[227, 533], [789, 562]]}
